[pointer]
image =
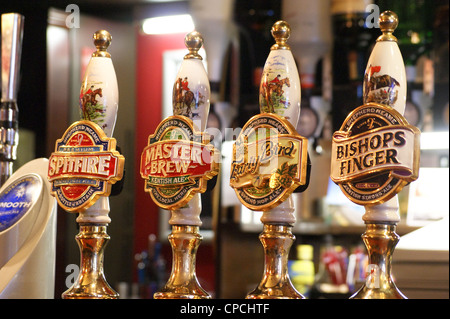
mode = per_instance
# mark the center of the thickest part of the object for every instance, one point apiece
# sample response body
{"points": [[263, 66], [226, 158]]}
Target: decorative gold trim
{"points": [[102, 40], [193, 42], [388, 23], [281, 31]]}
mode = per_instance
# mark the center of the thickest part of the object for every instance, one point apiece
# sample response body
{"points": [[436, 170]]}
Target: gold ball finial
{"points": [[281, 31], [388, 23], [193, 41], [102, 40]]}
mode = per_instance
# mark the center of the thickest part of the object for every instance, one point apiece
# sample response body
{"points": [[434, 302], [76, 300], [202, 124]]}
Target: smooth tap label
{"points": [[84, 166], [18, 198], [269, 162], [375, 153], [177, 163]]}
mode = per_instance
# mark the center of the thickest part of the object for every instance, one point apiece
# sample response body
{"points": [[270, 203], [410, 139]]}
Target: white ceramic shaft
{"points": [[280, 90], [191, 98], [99, 94], [386, 76], [97, 213]]}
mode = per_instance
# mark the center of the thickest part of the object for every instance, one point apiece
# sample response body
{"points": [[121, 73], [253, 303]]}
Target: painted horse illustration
{"points": [[88, 100], [182, 99], [273, 88], [380, 88]]}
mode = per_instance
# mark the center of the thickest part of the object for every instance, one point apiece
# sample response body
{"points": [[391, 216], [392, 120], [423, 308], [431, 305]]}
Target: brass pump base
{"points": [[276, 284], [183, 283], [91, 282], [380, 240]]}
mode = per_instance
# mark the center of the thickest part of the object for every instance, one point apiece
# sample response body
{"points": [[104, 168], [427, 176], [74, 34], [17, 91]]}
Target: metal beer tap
{"points": [[176, 165], [12, 33], [371, 174], [265, 180], [84, 166]]}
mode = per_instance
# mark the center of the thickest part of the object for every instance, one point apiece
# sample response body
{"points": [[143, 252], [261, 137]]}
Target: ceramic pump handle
{"points": [[99, 94], [191, 90], [280, 91], [385, 83], [191, 98], [99, 101], [385, 76]]}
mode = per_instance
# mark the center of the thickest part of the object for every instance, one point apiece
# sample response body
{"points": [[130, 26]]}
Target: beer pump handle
{"points": [[191, 98], [280, 93], [384, 91], [191, 93], [385, 65], [84, 187], [99, 100]]}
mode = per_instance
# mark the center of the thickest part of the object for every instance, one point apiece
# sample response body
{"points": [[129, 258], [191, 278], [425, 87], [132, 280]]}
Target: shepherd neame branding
{"points": [[375, 154]]}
